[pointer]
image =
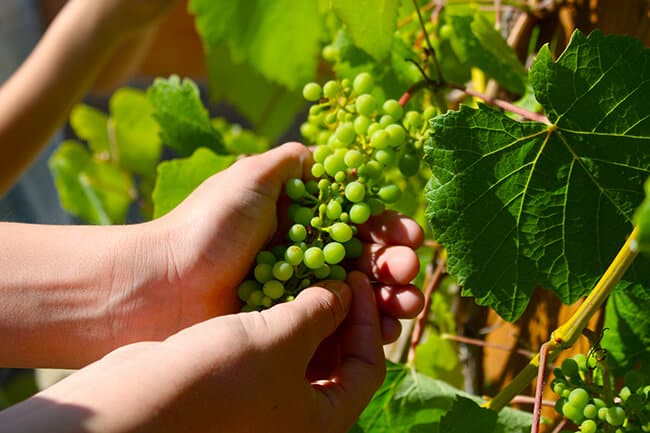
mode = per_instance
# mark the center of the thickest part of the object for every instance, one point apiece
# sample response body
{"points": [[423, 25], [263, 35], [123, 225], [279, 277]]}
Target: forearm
{"points": [[68, 293], [36, 100]]}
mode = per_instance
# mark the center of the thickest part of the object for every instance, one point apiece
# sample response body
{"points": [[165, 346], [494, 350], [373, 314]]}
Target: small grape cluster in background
{"points": [[589, 399], [364, 145]]}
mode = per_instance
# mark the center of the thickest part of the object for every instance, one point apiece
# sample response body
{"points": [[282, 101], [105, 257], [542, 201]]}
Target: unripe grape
{"points": [[579, 397], [317, 170], [365, 105], [590, 411], [353, 158], [274, 289], [408, 164], [309, 131], [386, 120], [396, 134], [380, 139], [353, 248], [321, 152], [263, 272], [265, 257], [334, 252], [615, 416], [311, 92], [340, 176], [337, 272], [314, 258], [390, 193], [363, 83], [393, 109], [303, 216], [322, 272], [334, 163], [385, 156], [293, 255], [372, 128], [588, 426], [355, 192], [413, 119], [572, 412], [331, 89], [602, 413], [340, 232], [330, 53], [359, 213], [361, 124], [255, 298], [346, 133], [581, 362], [297, 233], [376, 206], [295, 189], [282, 271], [316, 222], [267, 302], [569, 367], [246, 288], [333, 210]]}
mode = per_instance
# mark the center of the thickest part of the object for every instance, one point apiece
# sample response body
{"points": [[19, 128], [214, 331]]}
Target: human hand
{"points": [[236, 373]]}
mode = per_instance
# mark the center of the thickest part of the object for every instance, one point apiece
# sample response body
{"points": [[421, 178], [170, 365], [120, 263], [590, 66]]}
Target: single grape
{"points": [[303, 216], [353, 248], [321, 152], [365, 105], [334, 252], [340, 176], [297, 233], [372, 128], [570, 367], [295, 189], [558, 386], [246, 288], [386, 120], [309, 131], [341, 232], [590, 411], [625, 393], [282, 270], [359, 213], [293, 255], [311, 92], [393, 109], [267, 302], [602, 413], [389, 193], [380, 139], [588, 426], [333, 210], [314, 258], [317, 170], [337, 272], [413, 119], [263, 272], [376, 206], [374, 169], [363, 83], [255, 298], [361, 124], [316, 222], [355, 192], [331, 89], [408, 164], [615, 416], [579, 397], [334, 163], [322, 272], [274, 289], [396, 134], [572, 412], [265, 257], [311, 186], [353, 158], [385, 156], [346, 133]]}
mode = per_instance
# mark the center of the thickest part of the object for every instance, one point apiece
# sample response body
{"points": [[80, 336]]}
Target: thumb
{"points": [[302, 324]]}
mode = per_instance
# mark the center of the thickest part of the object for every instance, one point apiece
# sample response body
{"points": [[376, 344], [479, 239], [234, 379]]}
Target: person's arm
{"points": [[65, 64], [71, 294], [239, 373]]}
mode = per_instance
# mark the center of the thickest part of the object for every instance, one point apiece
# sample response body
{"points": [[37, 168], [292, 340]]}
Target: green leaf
{"points": [[467, 416], [136, 131], [184, 122], [525, 204], [268, 106], [93, 190], [179, 177], [279, 38], [477, 43], [409, 402], [91, 124], [371, 23], [240, 141], [642, 219]]}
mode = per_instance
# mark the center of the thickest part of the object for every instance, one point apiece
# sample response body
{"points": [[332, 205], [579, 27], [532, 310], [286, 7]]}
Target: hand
{"points": [[205, 247], [236, 373]]}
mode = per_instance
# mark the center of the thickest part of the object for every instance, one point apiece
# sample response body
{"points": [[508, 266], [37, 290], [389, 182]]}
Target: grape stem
{"points": [[525, 399], [564, 336], [431, 286], [539, 388], [475, 342], [432, 51], [560, 426]]}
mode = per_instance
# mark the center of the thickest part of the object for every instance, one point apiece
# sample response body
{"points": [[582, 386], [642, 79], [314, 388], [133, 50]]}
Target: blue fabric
{"points": [[33, 199]]}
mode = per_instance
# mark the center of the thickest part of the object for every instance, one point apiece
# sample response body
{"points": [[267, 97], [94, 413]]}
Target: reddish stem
{"points": [[560, 426], [525, 399], [476, 342], [421, 321], [539, 388]]}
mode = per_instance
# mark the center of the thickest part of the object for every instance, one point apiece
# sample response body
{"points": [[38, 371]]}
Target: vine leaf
{"points": [[520, 205], [410, 402], [371, 23], [184, 122], [467, 416], [177, 178], [95, 191], [642, 219], [279, 38]]}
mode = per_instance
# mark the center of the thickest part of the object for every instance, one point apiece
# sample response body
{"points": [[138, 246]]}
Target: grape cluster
{"points": [[589, 402], [364, 146]]}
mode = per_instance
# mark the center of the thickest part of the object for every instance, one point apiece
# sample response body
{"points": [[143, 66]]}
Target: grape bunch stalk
{"points": [[588, 399], [365, 146]]}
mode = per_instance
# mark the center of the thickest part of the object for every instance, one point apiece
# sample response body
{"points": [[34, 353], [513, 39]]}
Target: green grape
{"points": [[311, 187], [282, 270], [559, 404], [330, 118], [355, 192], [615, 416], [334, 163], [331, 89], [309, 130], [340, 232], [316, 222], [330, 53], [246, 288], [333, 210], [297, 233], [396, 134], [590, 411], [322, 272], [408, 164], [572, 412], [278, 251], [599, 403], [366, 104], [588, 426], [558, 386], [353, 248], [428, 113], [267, 302], [346, 133], [353, 158], [337, 272], [321, 152], [374, 169], [324, 185], [385, 156], [602, 413], [363, 83], [413, 119], [389, 193], [334, 252], [446, 31], [372, 128], [274, 289], [317, 169], [344, 217], [314, 258], [570, 367], [340, 176], [361, 124], [579, 397], [625, 393], [376, 206], [293, 255], [265, 257], [263, 272], [386, 120], [311, 92], [255, 298], [303, 216], [380, 139], [359, 213], [393, 109], [295, 189]]}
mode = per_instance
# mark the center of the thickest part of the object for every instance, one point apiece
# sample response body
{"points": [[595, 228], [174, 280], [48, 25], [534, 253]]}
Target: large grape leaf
{"points": [[184, 122], [280, 38], [642, 219], [95, 191], [526, 204], [410, 402], [371, 23], [177, 178]]}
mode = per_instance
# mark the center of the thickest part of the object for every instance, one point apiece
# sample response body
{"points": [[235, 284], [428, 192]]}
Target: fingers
{"points": [[312, 317], [389, 264], [404, 302], [362, 367], [390, 329], [392, 228]]}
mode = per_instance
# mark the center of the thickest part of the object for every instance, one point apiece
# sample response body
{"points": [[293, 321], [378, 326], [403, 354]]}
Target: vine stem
{"points": [[525, 399], [420, 323], [505, 105], [564, 336], [481, 343], [541, 375]]}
